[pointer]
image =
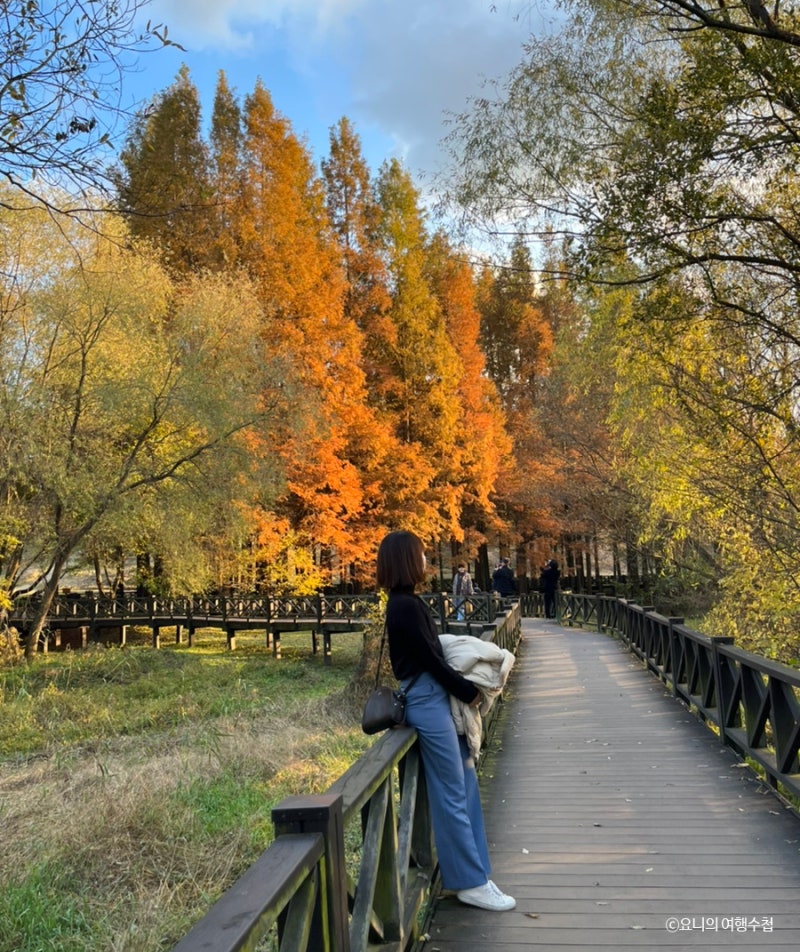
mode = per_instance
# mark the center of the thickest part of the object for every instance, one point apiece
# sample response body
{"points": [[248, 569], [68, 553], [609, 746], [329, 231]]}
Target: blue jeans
{"points": [[452, 782]]}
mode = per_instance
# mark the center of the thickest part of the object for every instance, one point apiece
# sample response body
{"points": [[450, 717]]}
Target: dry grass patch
{"points": [[120, 843]]}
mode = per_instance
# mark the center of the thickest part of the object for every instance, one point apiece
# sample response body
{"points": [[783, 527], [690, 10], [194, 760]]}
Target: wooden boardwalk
{"points": [[618, 821]]}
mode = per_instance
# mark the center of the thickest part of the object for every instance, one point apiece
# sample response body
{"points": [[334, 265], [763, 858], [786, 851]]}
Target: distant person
{"points": [[462, 586], [548, 584], [419, 663], [503, 580]]}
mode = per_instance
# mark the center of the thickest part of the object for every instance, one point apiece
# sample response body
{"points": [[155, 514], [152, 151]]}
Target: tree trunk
{"points": [[482, 570], [48, 594]]}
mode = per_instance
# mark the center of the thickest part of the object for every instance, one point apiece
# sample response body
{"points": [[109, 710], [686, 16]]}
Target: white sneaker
{"points": [[487, 896]]}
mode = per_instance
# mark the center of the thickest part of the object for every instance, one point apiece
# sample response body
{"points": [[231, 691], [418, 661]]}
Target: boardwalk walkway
{"points": [[618, 821]]}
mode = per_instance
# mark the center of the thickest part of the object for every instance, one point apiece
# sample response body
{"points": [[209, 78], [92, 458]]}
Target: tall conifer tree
{"points": [[226, 146], [518, 340], [355, 217], [422, 367], [163, 182], [288, 245], [483, 444]]}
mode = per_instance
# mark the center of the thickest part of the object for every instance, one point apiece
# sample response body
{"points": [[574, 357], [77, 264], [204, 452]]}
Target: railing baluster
{"points": [[368, 873]]}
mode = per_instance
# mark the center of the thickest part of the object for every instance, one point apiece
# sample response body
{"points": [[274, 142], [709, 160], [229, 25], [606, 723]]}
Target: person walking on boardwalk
{"points": [[548, 583], [462, 586], [417, 655]]}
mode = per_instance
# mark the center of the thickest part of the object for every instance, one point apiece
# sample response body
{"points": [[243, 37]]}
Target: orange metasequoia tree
{"points": [[286, 242]]}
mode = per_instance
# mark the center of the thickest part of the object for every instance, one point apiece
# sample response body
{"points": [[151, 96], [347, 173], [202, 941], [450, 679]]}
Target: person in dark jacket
{"points": [[548, 584], [416, 653], [503, 580]]}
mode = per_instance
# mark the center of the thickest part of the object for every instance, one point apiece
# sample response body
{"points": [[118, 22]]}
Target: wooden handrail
{"points": [[285, 877], [751, 701], [130, 607]]}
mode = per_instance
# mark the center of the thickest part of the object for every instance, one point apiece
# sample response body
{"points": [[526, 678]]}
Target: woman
{"points": [[453, 794], [462, 586]]}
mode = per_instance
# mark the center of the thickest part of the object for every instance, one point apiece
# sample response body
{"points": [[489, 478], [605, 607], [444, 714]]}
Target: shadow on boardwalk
{"points": [[618, 821]]}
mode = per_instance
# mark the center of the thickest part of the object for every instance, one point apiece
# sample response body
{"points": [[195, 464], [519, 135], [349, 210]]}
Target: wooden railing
{"points": [[228, 612], [304, 891], [751, 702]]}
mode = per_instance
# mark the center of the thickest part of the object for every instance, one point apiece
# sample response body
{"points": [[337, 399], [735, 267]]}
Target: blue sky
{"points": [[394, 67]]}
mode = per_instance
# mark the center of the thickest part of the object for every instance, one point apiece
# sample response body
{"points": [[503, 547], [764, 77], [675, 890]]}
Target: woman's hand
{"points": [[476, 702]]}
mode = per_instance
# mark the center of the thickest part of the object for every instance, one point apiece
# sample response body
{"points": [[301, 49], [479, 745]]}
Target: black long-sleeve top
{"points": [[414, 645]]}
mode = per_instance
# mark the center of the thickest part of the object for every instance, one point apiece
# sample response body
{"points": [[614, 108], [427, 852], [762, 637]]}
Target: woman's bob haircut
{"points": [[401, 561]]}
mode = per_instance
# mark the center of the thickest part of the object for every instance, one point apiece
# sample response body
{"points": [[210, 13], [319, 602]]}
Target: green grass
{"points": [[41, 913], [79, 696], [224, 803], [137, 784]]}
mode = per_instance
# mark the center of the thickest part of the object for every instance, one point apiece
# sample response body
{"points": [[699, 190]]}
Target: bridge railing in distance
{"points": [[507, 627], [751, 701], [377, 814], [575, 608], [321, 613], [479, 608], [347, 606], [532, 604]]}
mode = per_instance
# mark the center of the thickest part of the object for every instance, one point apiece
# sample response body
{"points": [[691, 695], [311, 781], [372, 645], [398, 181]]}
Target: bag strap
{"points": [[380, 656], [404, 691], [411, 683]]}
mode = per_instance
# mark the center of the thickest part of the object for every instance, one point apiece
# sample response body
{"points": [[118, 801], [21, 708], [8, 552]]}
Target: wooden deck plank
{"points": [[610, 809]]}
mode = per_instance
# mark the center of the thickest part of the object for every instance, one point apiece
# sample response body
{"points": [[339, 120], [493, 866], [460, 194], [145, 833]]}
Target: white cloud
{"points": [[404, 63], [232, 24], [419, 61]]}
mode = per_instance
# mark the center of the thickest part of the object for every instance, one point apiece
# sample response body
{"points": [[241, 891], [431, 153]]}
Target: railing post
{"points": [[322, 813], [720, 685], [600, 612], [670, 674], [440, 597], [92, 613]]}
